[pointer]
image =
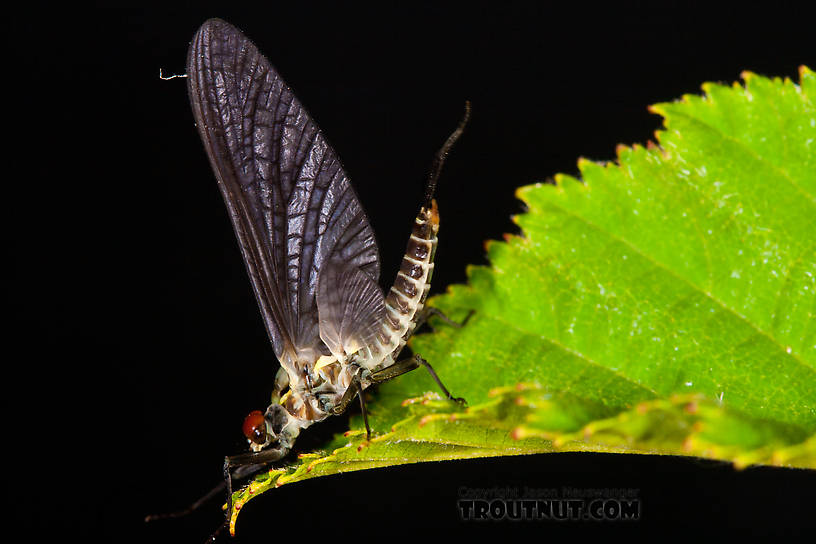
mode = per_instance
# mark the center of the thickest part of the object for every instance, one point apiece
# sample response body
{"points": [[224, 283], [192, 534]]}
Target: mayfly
{"points": [[307, 244]]}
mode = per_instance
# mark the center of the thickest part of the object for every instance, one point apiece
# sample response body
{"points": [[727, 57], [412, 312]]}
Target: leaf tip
{"points": [[708, 87], [583, 163], [621, 149], [657, 109], [747, 75], [521, 191]]}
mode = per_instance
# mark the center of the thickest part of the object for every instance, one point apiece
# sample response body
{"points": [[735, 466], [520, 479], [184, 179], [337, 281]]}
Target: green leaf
{"points": [[663, 303]]}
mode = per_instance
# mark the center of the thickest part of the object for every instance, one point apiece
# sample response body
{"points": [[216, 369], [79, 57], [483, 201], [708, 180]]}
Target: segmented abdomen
{"points": [[407, 296]]}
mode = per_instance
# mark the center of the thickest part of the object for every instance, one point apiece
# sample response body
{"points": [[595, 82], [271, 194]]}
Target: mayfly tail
{"points": [[441, 155]]}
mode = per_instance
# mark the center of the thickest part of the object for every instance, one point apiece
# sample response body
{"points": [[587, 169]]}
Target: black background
{"points": [[138, 348]]}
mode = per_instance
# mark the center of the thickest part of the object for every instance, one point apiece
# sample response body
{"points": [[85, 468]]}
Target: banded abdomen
{"points": [[406, 299]]}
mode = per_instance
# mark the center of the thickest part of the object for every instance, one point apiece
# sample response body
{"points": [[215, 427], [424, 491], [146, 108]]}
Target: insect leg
{"points": [[239, 473], [428, 311], [281, 383], [190, 509], [242, 460], [354, 389], [407, 365]]}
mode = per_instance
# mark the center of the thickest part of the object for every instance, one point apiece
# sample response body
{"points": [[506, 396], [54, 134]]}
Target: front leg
{"points": [[354, 388], [243, 463]]}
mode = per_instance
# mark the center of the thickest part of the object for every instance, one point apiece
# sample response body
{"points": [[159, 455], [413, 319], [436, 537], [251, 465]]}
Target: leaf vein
{"points": [[571, 351], [674, 274], [751, 151]]}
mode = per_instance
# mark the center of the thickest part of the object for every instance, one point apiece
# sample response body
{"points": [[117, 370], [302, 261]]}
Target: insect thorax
{"points": [[317, 386]]}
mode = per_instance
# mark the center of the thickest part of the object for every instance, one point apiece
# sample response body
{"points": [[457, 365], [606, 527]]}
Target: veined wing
{"points": [[291, 204]]}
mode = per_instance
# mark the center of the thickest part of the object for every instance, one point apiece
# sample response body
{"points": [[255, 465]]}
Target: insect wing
{"points": [[351, 307], [291, 203]]}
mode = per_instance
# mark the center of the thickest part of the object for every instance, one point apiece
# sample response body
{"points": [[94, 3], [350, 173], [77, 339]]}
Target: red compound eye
{"points": [[255, 427]]}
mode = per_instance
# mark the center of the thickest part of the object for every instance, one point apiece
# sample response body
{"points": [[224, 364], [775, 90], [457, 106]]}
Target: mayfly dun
{"points": [[307, 244]]}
